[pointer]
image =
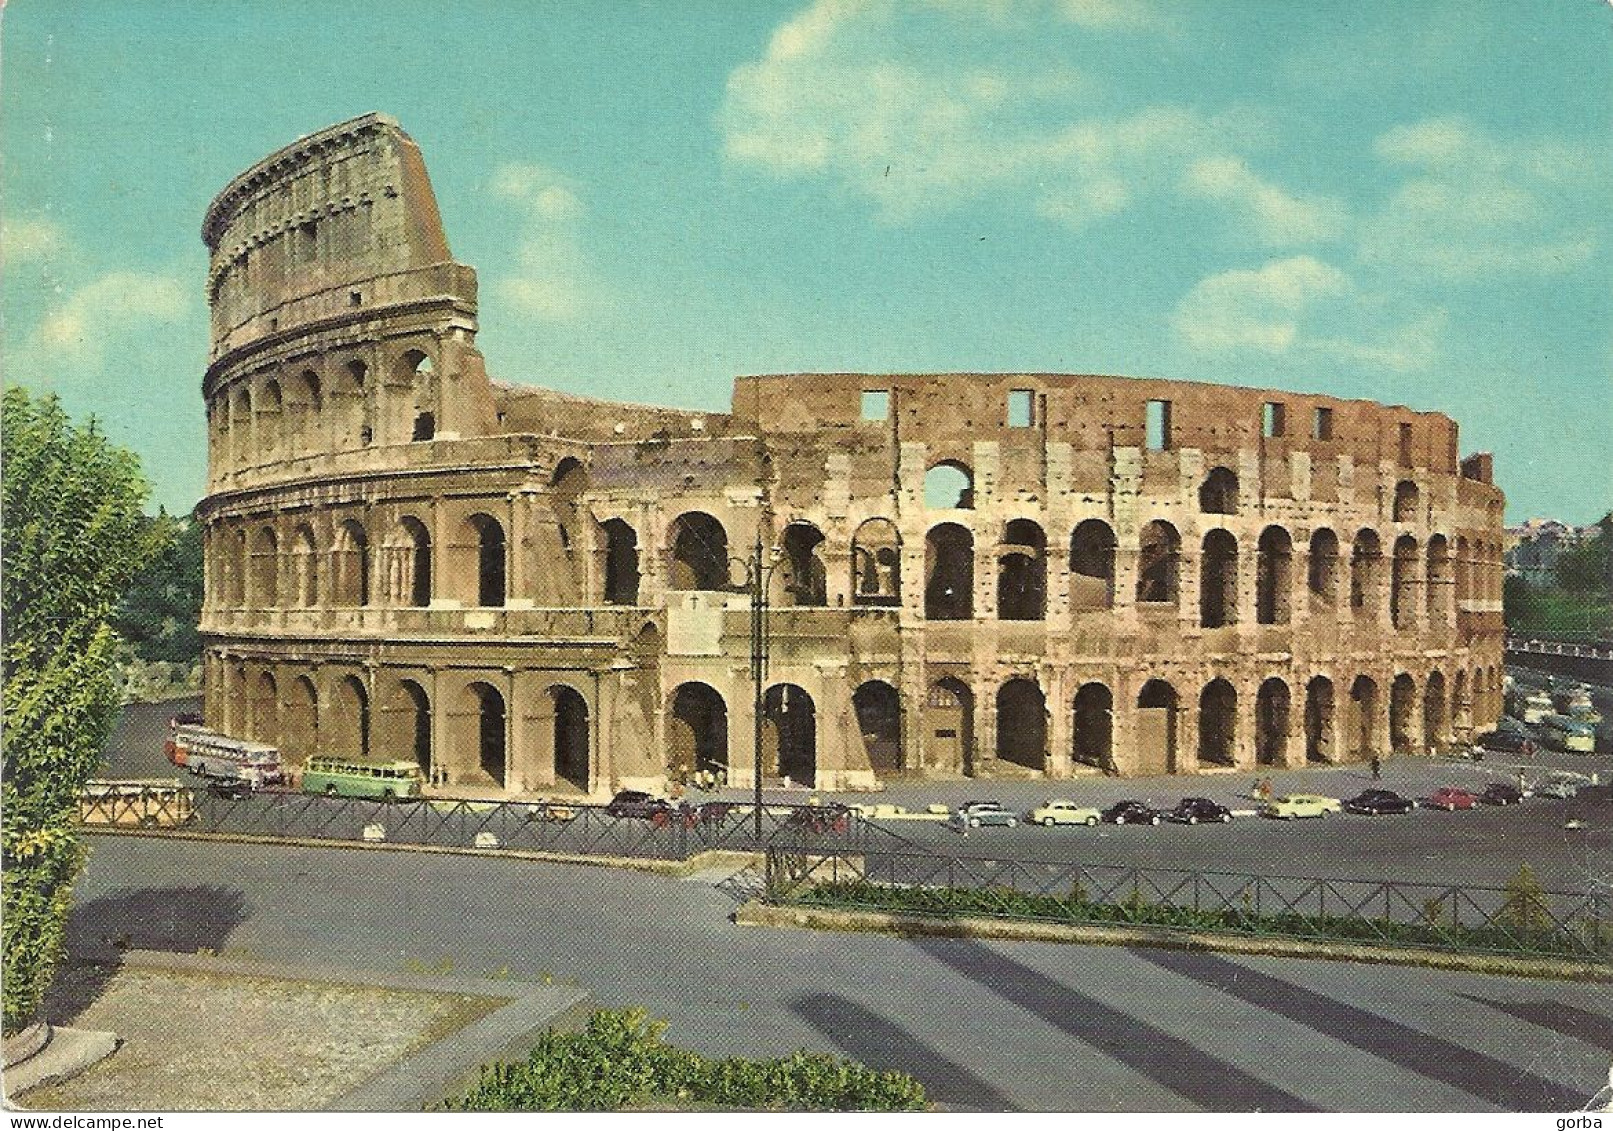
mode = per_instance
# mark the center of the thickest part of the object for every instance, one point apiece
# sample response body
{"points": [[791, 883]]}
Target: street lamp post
{"points": [[758, 671]]}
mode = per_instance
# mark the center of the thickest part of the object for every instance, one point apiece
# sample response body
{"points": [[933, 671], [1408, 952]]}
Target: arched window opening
{"points": [[350, 565], [1435, 727], [488, 537], [876, 564], [1363, 718], [1022, 724], [1274, 560], [1464, 572], [1403, 582], [571, 741], [1438, 584], [1323, 572], [1218, 580], [1319, 724], [300, 726], [1402, 706], [949, 726], [802, 575], [305, 567], [350, 721], [271, 409], [697, 732], [1156, 728], [263, 709], [416, 709], [1092, 733], [408, 563], [1092, 566], [569, 478], [1218, 724], [1366, 566], [1022, 572], [1218, 494], [265, 569], [949, 573], [486, 705], [699, 553], [1406, 498], [621, 563], [1158, 563], [1271, 723], [949, 486], [790, 734], [425, 426], [879, 721]]}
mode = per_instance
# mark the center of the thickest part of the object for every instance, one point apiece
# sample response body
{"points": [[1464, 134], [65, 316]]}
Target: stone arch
{"points": [[1272, 703], [569, 477], [1464, 571], [1406, 500], [1435, 726], [698, 553], [1274, 558], [348, 723], [949, 737], [1159, 558], [237, 569], [265, 572], [263, 709], [621, 563], [1402, 705], [790, 733], [408, 563], [1022, 572], [1363, 729], [697, 731], [1322, 572], [1403, 582], [1320, 716], [879, 721], [1437, 585], [271, 417], [1022, 724], [416, 369], [1156, 728], [300, 722], [572, 744], [485, 712], [949, 573], [1218, 494], [304, 566], [350, 565], [1092, 566], [1218, 723], [482, 535], [949, 485], [1366, 567], [241, 430], [802, 579], [876, 563], [414, 707], [308, 403], [1218, 580], [349, 404], [1092, 730]]}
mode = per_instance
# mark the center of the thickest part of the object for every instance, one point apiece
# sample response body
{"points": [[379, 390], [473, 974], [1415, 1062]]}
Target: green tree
{"points": [[1525, 904], [160, 612], [1587, 569], [73, 537]]}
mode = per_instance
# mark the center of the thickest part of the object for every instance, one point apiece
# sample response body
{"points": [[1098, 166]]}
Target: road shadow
{"points": [[1433, 1058], [881, 1043], [1180, 1066], [1582, 1025]]}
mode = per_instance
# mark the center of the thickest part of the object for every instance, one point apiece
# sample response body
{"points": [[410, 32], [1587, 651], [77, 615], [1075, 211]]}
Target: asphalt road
{"points": [[984, 1025]]}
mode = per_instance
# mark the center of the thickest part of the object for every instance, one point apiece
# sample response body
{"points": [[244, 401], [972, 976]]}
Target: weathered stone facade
{"points": [[968, 573]]}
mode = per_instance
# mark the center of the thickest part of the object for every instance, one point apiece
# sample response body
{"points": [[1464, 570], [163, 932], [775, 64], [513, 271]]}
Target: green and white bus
{"points": [[338, 777]]}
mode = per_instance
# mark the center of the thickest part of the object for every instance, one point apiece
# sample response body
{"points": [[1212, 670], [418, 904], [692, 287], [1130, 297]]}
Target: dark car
{"points": [[1500, 793], [233, 788], [1505, 742], [636, 803], [1199, 810], [1377, 802], [1131, 813]]}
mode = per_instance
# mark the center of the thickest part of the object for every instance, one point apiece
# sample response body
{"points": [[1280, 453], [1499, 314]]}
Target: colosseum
{"points": [[864, 576]]}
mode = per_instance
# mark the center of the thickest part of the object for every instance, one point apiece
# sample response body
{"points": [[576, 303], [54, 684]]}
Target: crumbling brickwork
{"points": [[984, 574]]}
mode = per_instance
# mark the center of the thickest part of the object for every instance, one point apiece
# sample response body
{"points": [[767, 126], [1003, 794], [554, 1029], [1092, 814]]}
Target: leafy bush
{"points": [[620, 1062]]}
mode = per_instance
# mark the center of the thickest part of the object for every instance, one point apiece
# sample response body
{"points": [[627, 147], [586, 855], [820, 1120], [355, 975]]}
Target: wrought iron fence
{"points": [[1518, 919], [566, 828]]}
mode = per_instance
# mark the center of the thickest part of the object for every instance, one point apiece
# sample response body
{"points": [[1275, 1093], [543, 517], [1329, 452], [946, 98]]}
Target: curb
{"points": [[64, 1054], [678, 869], [756, 914]]}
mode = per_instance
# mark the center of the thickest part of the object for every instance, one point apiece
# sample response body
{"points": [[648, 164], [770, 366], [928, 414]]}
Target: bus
{"points": [[220, 758], [340, 777], [1564, 733]]}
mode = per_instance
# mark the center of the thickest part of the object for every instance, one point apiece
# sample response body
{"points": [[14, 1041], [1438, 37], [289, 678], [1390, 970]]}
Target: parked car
{"points": [[1508, 741], [1198, 810], [1300, 805], [1565, 789], [1377, 802], [1132, 813], [638, 804], [1451, 799], [1501, 793], [1062, 812], [978, 813]]}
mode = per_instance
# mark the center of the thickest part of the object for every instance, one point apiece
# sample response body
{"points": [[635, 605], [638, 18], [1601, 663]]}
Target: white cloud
{"points": [[30, 240], [1302, 307], [78, 332], [1274, 216], [1129, 14], [1477, 205], [552, 281]]}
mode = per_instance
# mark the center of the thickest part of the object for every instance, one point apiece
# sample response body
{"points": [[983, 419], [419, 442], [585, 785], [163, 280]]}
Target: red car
{"points": [[1451, 799]]}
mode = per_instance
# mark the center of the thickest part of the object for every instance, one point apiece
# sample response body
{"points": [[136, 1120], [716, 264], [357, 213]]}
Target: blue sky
{"points": [[1407, 202]]}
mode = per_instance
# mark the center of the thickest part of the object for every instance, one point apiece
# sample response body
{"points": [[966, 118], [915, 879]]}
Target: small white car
{"points": [[1062, 812]]}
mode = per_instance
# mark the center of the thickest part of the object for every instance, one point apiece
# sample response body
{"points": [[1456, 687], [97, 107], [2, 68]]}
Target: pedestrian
{"points": [[1377, 768], [1254, 790]]}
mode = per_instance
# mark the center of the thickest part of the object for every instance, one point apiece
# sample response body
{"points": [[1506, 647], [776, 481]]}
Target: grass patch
{"points": [[619, 1062]]}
